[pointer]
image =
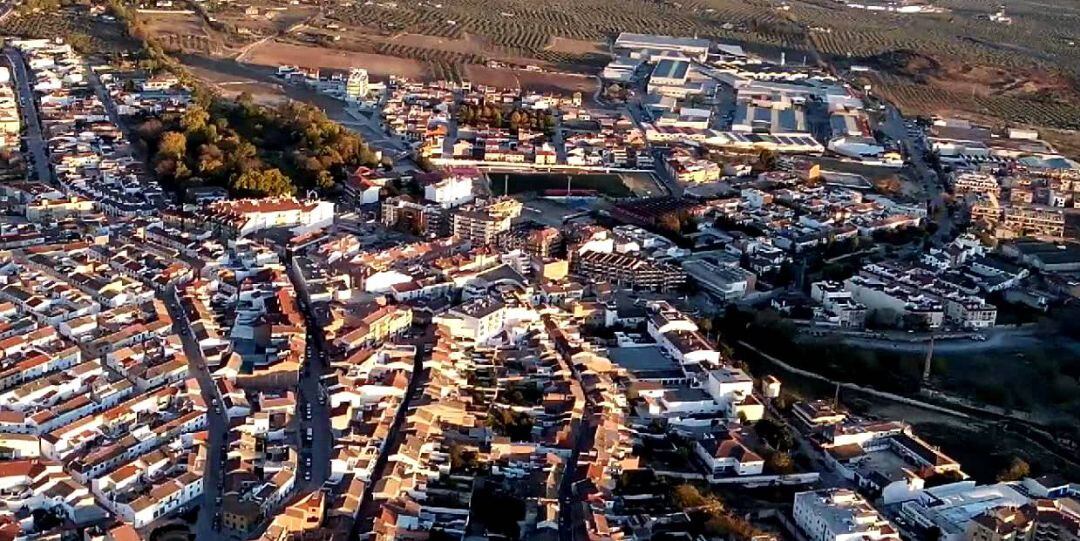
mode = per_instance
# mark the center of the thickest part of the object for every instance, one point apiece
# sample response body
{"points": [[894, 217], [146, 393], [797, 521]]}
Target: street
{"points": [[217, 423], [894, 126], [313, 412], [568, 499], [34, 141]]}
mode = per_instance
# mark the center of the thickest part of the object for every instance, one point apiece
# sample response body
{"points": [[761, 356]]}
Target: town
{"points": [[516, 314]]}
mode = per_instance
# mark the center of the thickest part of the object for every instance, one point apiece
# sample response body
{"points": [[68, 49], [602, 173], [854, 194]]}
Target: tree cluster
{"points": [[710, 511], [254, 151], [1018, 469], [487, 115]]}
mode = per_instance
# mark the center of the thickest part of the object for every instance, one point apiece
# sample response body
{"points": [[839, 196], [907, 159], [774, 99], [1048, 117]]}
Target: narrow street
{"points": [[218, 424], [34, 141], [569, 522], [313, 410]]}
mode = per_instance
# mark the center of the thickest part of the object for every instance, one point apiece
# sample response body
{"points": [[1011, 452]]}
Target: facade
{"points": [[840, 515], [243, 217], [481, 223], [628, 271], [357, 86], [452, 191]]}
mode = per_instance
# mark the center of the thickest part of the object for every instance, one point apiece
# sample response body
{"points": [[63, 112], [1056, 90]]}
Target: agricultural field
{"points": [[183, 32], [89, 33], [959, 62]]}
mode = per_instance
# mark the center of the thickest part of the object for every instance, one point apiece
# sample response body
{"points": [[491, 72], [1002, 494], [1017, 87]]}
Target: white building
{"points": [[357, 86], [950, 508], [478, 320], [247, 216], [698, 48], [840, 515], [450, 192]]}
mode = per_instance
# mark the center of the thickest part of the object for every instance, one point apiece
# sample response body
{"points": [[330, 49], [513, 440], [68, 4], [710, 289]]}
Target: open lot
{"points": [[273, 53], [609, 184], [606, 184]]}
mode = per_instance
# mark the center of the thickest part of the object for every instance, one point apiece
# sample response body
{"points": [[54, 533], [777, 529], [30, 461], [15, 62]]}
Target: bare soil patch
{"points": [[273, 53], [572, 46], [489, 76], [556, 82]]}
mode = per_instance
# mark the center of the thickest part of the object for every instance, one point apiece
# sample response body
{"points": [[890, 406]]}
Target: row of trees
{"points": [[494, 116]]}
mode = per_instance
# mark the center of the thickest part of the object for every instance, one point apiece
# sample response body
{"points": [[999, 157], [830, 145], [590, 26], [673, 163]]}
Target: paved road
{"points": [[667, 182], [314, 412], [569, 502], [999, 338], [218, 424], [894, 126], [34, 141]]}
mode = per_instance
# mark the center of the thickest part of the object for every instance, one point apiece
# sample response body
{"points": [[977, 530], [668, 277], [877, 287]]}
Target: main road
{"points": [[34, 140], [218, 424], [895, 126]]}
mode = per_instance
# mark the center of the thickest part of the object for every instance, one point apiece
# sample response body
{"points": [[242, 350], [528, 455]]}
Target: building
{"points": [[726, 282], [950, 508], [452, 191], [404, 214], [1002, 524], [697, 48], [357, 86], [840, 515], [478, 320], [628, 271], [242, 217], [1033, 221], [481, 223], [894, 303], [728, 457]]}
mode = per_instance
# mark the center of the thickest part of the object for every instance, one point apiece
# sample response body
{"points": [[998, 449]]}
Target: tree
{"points": [[150, 130], [211, 160], [774, 434], [325, 180], [269, 183], [780, 463], [1018, 469], [766, 160], [173, 145], [463, 458], [80, 42], [686, 496]]}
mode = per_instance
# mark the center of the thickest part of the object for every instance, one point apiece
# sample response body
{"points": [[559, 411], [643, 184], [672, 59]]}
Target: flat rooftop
{"points": [[631, 40], [646, 362], [670, 68]]}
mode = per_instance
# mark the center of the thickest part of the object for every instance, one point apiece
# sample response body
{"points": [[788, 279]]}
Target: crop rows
{"points": [[528, 27], [186, 42], [926, 99], [429, 55], [73, 24]]}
